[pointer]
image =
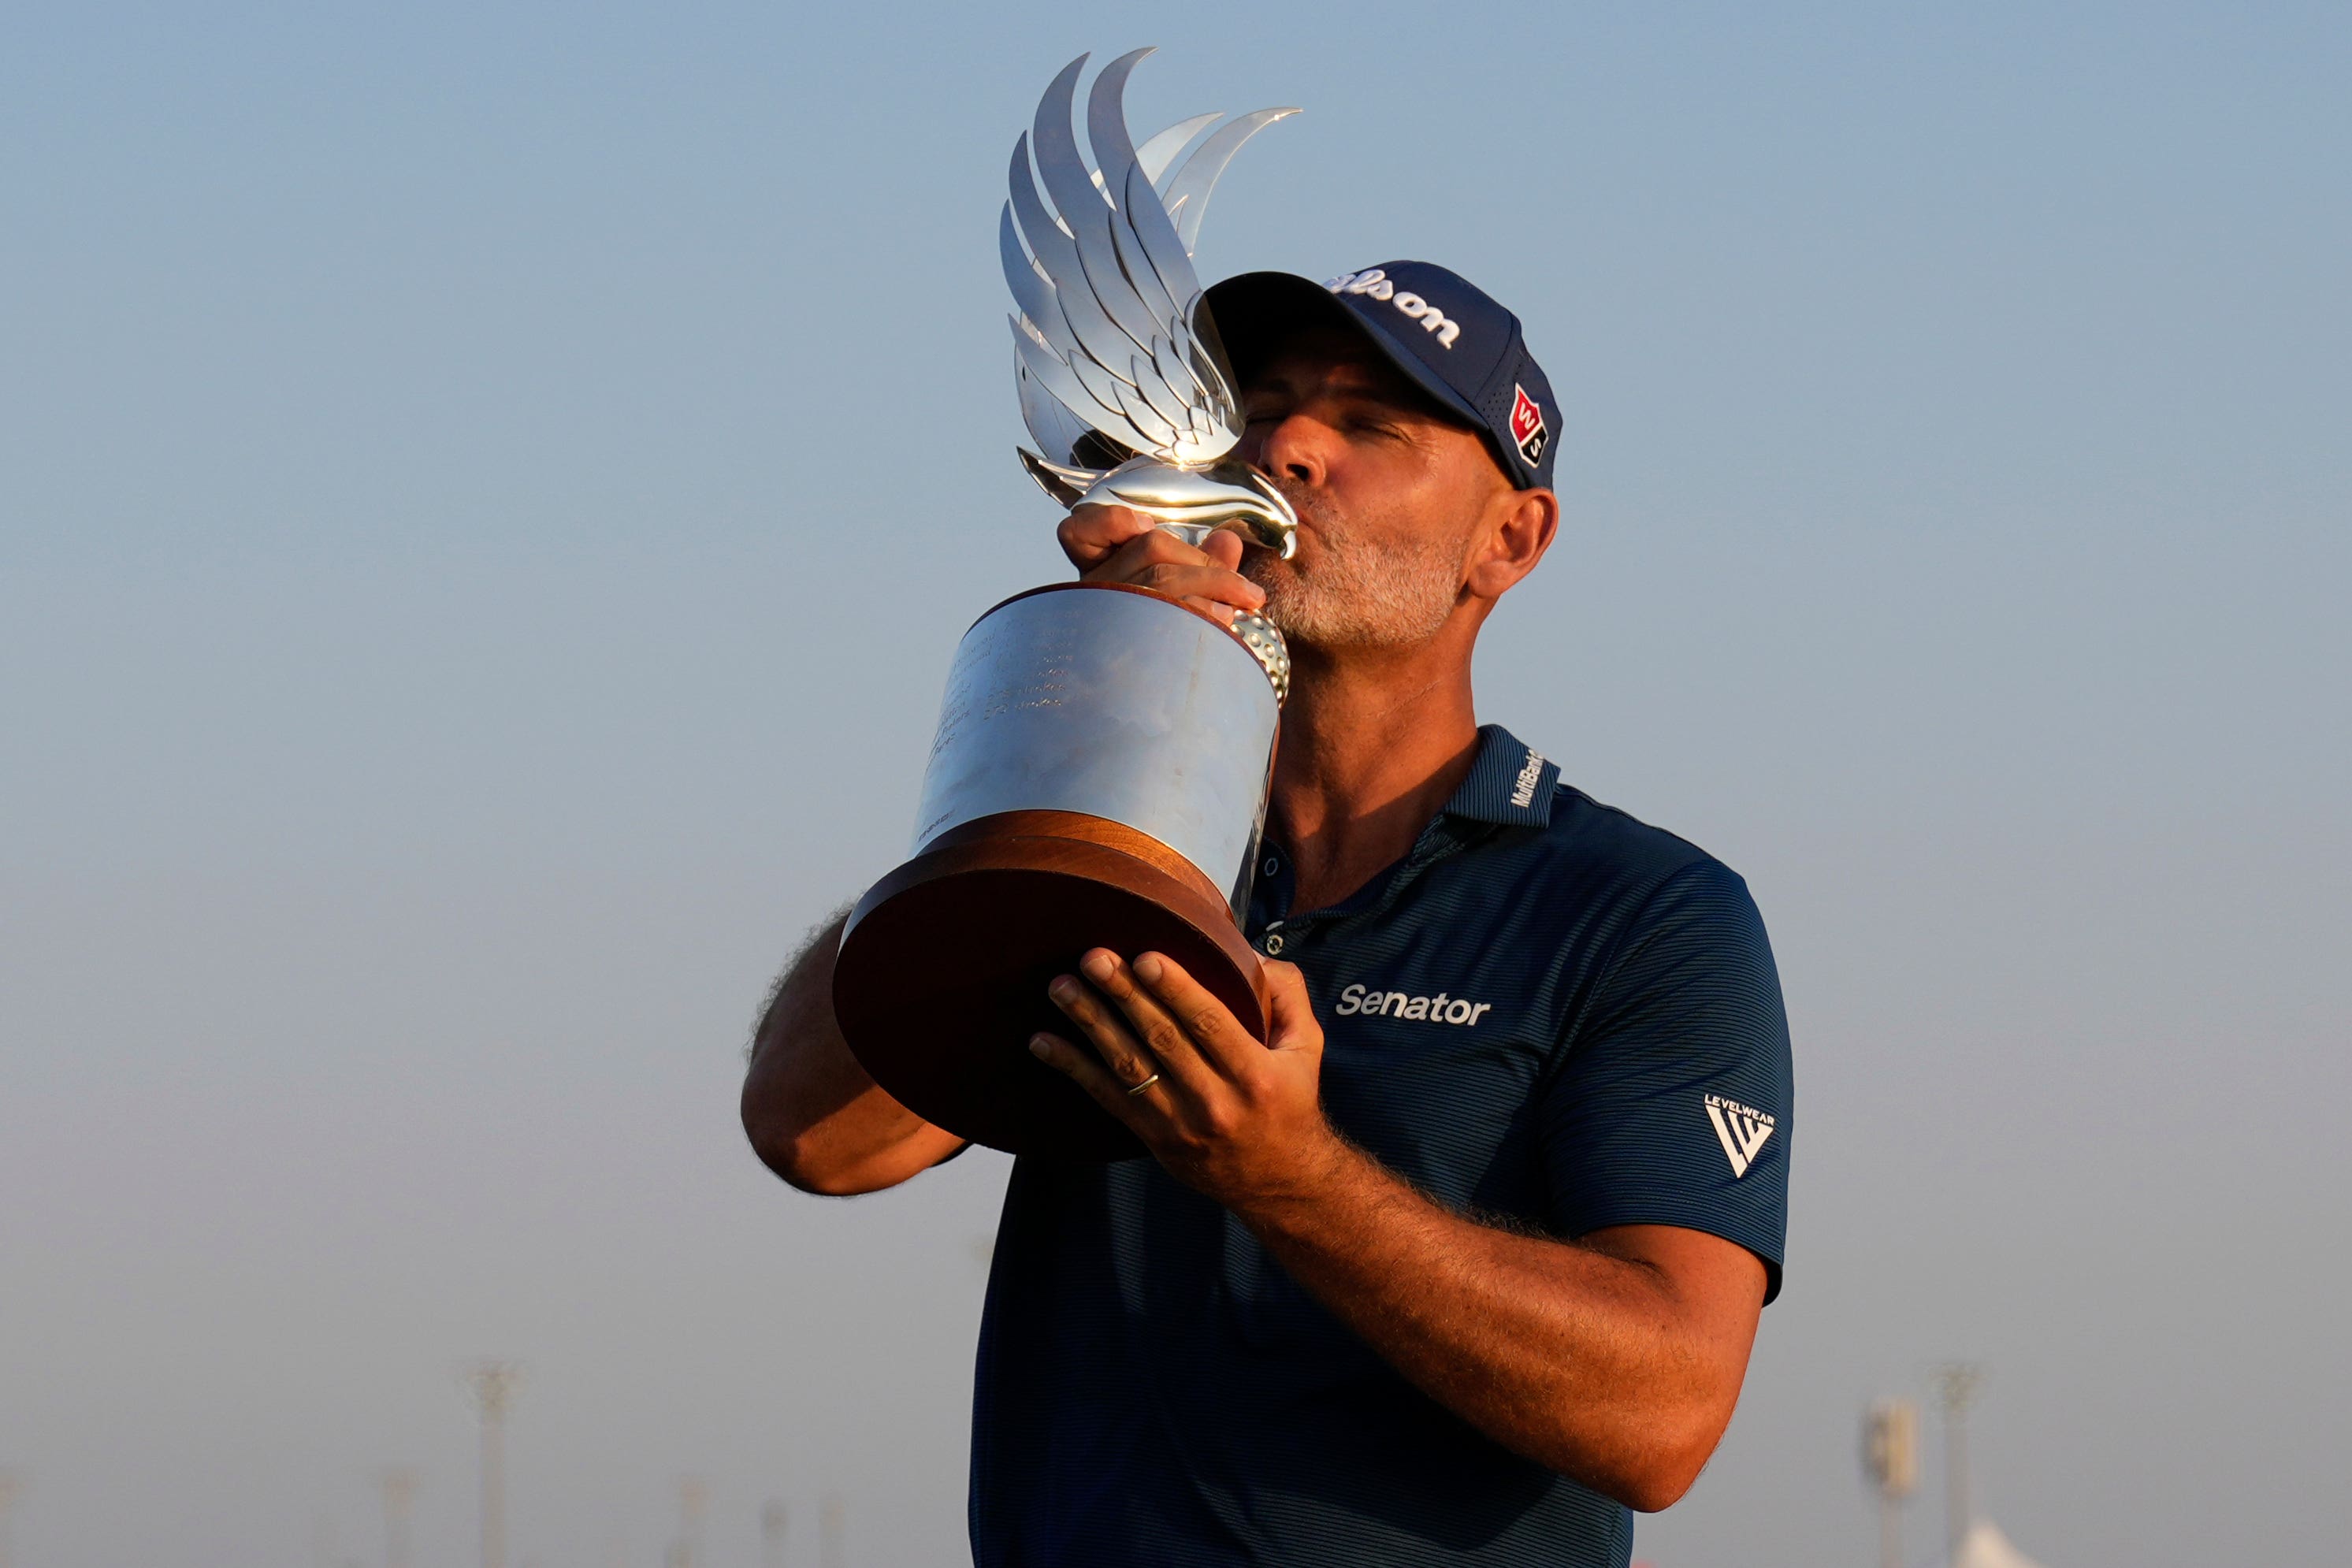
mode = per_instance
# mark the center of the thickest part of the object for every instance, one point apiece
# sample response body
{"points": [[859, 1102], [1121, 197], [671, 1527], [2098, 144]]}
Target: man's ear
{"points": [[1520, 527]]}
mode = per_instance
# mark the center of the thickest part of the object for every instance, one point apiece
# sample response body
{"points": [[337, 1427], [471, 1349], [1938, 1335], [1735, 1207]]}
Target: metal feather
{"points": [[1062, 384], [1054, 426], [1187, 192], [1161, 397], [1160, 436], [1077, 325], [1163, 253], [1106, 117], [1113, 339], [1086, 211], [1032, 289], [1160, 150], [1131, 226]]}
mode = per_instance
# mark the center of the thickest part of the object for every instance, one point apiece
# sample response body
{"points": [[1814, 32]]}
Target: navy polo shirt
{"points": [[1547, 1011]]}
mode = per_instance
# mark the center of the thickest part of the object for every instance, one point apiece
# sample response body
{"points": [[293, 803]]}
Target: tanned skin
{"points": [[1614, 1357], [815, 1116]]}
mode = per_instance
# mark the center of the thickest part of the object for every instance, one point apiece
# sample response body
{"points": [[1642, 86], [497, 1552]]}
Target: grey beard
{"points": [[1359, 595]]}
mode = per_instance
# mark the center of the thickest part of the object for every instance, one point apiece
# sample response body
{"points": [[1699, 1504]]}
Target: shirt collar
{"points": [[1509, 782]]}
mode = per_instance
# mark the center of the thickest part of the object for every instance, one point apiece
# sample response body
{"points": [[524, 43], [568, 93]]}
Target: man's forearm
{"points": [[1583, 1357], [814, 1115], [1615, 1358]]}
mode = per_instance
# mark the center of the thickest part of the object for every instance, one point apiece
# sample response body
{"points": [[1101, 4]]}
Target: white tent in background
{"points": [[1985, 1546]]}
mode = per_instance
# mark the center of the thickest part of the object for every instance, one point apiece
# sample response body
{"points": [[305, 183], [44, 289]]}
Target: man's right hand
{"points": [[1116, 544]]}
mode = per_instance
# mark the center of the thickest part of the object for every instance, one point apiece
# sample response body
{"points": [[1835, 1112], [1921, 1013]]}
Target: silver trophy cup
{"points": [[1099, 772]]}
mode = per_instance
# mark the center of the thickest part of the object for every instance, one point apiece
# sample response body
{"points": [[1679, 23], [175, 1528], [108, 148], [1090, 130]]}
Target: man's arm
{"points": [[812, 1114], [1615, 1358]]}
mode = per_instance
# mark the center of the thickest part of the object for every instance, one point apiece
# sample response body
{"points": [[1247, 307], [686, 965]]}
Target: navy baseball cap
{"points": [[1444, 332]]}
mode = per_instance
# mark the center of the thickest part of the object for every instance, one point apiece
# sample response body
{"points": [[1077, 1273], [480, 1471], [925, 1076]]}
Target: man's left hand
{"points": [[1238, 1120]]}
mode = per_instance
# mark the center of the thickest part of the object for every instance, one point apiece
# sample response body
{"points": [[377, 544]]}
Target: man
{"points": [[1466, 1260]]}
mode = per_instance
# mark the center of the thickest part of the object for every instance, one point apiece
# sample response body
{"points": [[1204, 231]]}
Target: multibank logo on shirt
{"points": [[1740, 1129]]}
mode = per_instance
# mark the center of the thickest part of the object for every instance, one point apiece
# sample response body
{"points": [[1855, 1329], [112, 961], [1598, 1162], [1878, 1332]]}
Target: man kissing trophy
{"points": [[1451, 1222]]}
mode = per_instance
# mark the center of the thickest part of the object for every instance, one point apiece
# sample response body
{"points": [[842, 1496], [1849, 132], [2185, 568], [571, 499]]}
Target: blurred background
{"points": [[488, 495]]}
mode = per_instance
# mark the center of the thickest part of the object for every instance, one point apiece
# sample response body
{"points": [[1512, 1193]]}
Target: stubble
{"points": [[1366, 588]]}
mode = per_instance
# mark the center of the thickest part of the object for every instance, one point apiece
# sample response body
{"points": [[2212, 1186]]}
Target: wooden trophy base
{"points": [[943, 972]]}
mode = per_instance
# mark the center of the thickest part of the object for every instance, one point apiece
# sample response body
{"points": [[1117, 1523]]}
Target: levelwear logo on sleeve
{"points": [[1740, 1130], [1528, 425]]}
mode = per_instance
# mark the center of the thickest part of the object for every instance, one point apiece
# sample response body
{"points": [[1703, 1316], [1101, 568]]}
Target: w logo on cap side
{"points": [[1527, 431], [1740, 1129]]}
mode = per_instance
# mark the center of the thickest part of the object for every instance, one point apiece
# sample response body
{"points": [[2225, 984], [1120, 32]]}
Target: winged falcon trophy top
{"points": [[1099, 772], [1116, 355]]}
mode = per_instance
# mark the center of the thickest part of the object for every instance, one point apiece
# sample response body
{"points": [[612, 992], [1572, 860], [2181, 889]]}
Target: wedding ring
{"points": [[1135, 1089]]}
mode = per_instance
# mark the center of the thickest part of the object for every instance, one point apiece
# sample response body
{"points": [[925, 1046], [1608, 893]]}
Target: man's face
{"points": [[1391, 492]]}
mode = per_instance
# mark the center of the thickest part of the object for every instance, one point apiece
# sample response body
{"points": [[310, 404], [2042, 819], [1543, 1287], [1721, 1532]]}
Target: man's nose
{"points": [[1296, 449]]}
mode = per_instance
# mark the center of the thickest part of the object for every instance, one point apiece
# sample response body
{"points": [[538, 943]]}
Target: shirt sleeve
{"points": [[1672, 1101]]}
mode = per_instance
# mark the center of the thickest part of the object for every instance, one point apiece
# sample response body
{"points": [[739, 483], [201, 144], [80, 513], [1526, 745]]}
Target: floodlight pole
{"points": [[493, 1384], [399, 1498], [1958, 1383], [1890, 1456], [831, 1527], [772, 1535], [693, 1495]]}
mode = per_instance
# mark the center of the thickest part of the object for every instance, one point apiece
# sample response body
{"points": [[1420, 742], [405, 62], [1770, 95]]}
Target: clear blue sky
{"points": [[487, 497]]}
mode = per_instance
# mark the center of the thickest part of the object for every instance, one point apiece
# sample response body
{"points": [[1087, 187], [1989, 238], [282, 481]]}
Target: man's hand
{"points": [[1115, 545], [1238, 1120], [1614, 1357]]}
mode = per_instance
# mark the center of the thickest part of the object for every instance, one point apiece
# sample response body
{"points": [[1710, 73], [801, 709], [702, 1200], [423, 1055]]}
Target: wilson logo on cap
{"points": [[1528, 431], [1376, 283]]}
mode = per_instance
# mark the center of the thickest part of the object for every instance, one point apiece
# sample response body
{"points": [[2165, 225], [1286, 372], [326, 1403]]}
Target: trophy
{"points": [[1100, 768]]}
